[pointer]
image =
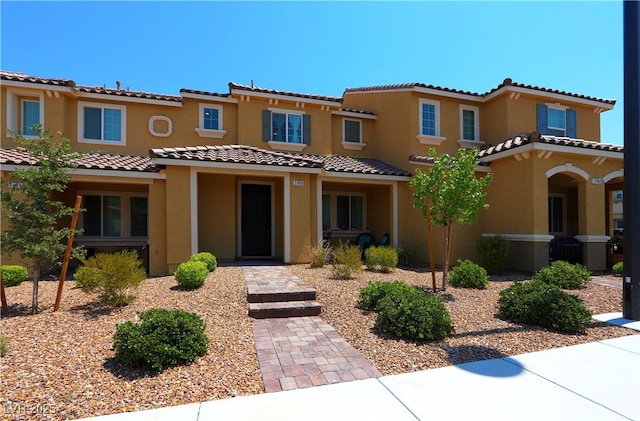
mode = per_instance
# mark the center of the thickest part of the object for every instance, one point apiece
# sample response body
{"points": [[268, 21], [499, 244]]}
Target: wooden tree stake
{"points": [[67, 254]]}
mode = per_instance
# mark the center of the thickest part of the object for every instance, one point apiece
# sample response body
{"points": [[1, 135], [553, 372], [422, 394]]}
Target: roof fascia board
{"points": [[209, 98], [550, 95], [456, 95], [351, 114], [96, 173], [36, 85], [291, 98], [117, 98], [572, 150], [364, 177], [227, 166]]}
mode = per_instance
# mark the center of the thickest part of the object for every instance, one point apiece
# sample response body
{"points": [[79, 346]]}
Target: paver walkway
{"points": [[300, 352]]}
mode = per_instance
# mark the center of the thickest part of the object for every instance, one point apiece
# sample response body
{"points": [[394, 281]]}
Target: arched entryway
{"points": [[614, 186], [563, 210]]}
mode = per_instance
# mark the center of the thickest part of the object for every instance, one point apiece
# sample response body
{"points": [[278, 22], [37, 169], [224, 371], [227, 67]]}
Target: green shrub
{"points": [[113, 276], [413, 316], [191, 274], [563, 274], [493, 253], [468, 275], [545, 305], [371, 295], [319, 255], [408, 256], [4, 348], [207, 258], [381, 259], [13, 275], [347, 260], [618, 268], [161, 339]]}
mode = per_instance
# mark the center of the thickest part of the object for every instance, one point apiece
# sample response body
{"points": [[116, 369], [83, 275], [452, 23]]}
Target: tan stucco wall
{"points": [[158, 228], [217, 215], [178, 209]]}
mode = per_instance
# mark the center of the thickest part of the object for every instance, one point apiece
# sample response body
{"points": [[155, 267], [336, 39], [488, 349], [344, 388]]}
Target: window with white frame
{"points": [[30, 117], [351, 131], [101, 123], [286, 126], [343, 211], [469, 129], [429, 117], [556, 120], [115, 215], [211, 121]]}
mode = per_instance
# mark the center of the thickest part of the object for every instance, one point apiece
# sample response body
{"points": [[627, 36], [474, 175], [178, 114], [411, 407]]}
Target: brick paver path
{"points": [[299, 352]]}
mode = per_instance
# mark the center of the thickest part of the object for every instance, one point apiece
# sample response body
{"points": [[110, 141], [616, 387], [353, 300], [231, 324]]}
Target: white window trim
{"points": [[564, 214], [286, 146], [333, 205], [14, 112], [476, 124], [22, 101], [353, 146], [559, 108], [123, 123], [215, 134], [424, 139], [125, 223]]}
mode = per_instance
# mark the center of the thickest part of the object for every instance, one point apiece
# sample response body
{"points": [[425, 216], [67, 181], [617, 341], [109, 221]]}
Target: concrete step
{"points": [[268, 310], [270, 296]]}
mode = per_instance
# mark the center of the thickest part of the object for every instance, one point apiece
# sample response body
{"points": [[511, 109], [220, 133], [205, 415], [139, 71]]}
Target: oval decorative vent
{"points": [[168, 127]]}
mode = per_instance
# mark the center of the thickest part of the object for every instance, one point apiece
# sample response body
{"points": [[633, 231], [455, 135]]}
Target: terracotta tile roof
{"points": [[22, 77], [422, 159], [237, 154], [127, 93], [509, 82], [240, 154], [93, 161], [193, 91], [241, 87], [356, 165], [352, 110], [535, 137], [506, 82]]}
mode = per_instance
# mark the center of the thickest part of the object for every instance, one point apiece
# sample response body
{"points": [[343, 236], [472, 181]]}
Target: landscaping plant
{"points": [[371, 295], [618, 268], [544, 305], [161, 339], [114, 276], [13, 275], [564, 274], [381, 258], [191, 274], [469, 275], [347, 260], [207, 258], [493, 253], [319, 255]]}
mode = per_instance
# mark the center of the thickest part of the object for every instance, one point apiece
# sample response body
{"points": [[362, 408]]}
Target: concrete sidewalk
{"points": [[593, 381]]}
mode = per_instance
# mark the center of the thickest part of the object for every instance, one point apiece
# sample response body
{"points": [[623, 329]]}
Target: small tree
{"points": [[33, 216], [450, 193]]}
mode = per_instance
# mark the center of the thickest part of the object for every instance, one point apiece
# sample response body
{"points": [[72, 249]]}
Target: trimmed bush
{"points": [[191, 274], [113, 276], [4, 348], [161, 339], [381, 259], [468, 275], [319, 255], [347, 260], [413, 316], [13, 275], [493, 253], [371, 295], [206, 258], [564, 274], [544, 305], [408, 256], [618, 268]]}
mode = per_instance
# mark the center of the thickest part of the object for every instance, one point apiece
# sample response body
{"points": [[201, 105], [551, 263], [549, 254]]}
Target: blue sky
{"points": [[322, 47]]}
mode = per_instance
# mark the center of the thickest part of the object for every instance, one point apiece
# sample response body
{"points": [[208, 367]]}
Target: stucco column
{"points": [[592, 223], [178, 205], [157, 228]]}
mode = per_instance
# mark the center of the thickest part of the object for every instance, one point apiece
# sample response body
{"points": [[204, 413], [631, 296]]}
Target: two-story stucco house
{"points": [[262, 173]]}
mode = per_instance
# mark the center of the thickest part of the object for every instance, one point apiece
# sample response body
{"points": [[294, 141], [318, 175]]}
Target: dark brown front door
{"points": [[256, 220]]}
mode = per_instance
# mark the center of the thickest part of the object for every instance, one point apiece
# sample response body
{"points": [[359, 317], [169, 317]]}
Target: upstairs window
{"points": [[30, 117], [210, 118], [286, 127], [429, 118], [211, 121], [351, 131], [469, 128], [100, 123], [555, 120]]}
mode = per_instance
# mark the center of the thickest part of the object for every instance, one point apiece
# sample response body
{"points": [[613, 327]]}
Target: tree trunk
{"points": [[36, 276], [447, 252]]}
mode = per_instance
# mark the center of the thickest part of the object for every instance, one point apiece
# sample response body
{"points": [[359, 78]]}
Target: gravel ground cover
{"points": [[59, 364]]}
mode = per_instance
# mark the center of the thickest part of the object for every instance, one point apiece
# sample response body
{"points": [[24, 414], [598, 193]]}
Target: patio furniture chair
{"points": [[384, 240]]}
